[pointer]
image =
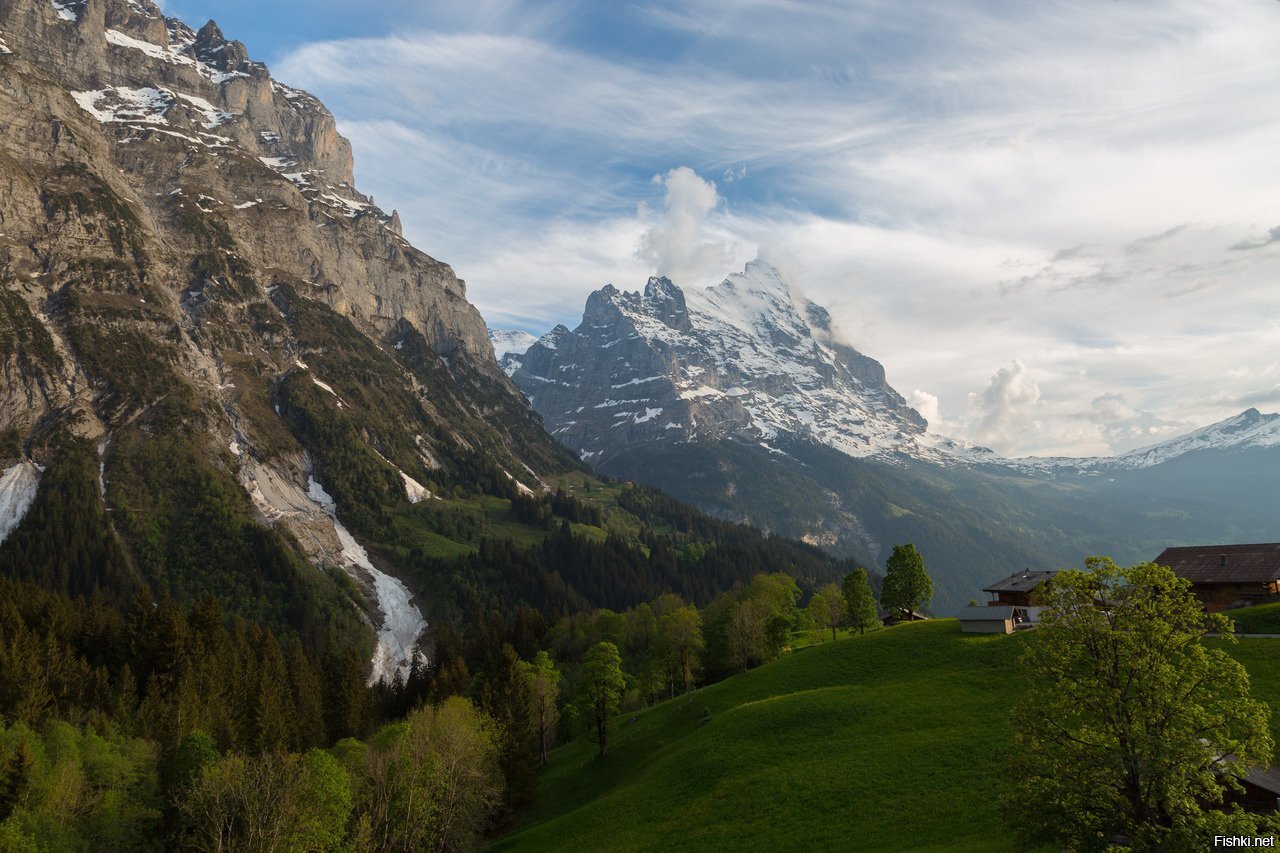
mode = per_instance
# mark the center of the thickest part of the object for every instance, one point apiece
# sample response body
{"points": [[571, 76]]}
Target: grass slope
{"points": [[880, 741], [1262, 619], [889, 741]]}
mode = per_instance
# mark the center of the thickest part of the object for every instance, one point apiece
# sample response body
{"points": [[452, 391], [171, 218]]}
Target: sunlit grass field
{"points": [[897, 739]]}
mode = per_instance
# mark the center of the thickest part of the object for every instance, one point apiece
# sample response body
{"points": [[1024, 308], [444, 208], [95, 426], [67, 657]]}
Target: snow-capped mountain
{"points": [[753, 360], [510, 342], [1248, 429], [748, 359], [742, 399]]}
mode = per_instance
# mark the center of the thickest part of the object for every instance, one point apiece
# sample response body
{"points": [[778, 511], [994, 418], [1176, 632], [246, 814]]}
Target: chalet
{"points": [[1261, 793], [1225, 576], [1017, 589], [998, 619], [893, 617]]}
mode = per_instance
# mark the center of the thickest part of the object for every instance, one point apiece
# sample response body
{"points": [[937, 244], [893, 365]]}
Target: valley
{"points": [[300, 550]]}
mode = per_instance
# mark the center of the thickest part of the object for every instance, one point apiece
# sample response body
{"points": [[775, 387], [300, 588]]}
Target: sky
{"points": [[1057, 224]]}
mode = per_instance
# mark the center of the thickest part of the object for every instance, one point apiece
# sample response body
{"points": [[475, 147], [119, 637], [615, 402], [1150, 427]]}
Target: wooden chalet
{"points": [[1261, 793], [1017, 589], [895, 616], [1225, 576]]}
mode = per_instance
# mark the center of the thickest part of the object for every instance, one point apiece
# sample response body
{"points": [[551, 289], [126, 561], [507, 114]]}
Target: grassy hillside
{"points": [[887, 741], [1262, 619]]}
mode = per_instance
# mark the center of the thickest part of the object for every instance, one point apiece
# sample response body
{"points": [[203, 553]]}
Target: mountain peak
{"points": [[739, 360]]}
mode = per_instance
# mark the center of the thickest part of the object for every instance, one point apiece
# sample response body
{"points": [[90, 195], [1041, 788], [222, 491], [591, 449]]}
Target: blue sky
{"points": [[1051, 221]]}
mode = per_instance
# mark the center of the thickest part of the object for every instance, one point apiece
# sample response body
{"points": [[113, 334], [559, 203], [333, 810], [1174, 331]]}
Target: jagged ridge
{"points": [[747, 360]]}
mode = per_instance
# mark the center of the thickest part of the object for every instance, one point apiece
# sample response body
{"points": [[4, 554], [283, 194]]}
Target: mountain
{"points": [[510, 342], [746, 360], [1249, 429], [193, 285], [742, 399], [227, 373]]}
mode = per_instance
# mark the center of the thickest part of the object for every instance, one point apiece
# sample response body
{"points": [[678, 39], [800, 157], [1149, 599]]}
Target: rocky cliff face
{"points": [[746, 360], [183, 253]]}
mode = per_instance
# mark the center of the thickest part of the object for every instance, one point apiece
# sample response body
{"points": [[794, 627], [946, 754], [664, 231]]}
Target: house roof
{"points": [[1224, 563], [1267, 780], [1024, 581], [985, 614]]}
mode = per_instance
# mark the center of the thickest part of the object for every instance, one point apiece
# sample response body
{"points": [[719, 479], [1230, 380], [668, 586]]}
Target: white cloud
{"points": [[1006, 408], [1086, 187], [927, 405], [676, 246]]}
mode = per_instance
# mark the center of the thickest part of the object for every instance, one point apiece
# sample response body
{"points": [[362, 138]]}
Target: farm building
{"points": [[995, 619], [893, 617], [1261, 791], [1225, 576], [1017, 589]]}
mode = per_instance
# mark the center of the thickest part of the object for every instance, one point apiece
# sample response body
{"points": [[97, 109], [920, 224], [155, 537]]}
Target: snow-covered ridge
{"points": [[510, 342], [18, 487], [1248, 429], [748, 357]]}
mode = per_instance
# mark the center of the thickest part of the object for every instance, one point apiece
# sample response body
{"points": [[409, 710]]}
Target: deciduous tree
{"points": [[1131, 725], [681, 642], [907, 586], [602, 685], [859, 601], [837, 610], [544, 687], [818, 612]]}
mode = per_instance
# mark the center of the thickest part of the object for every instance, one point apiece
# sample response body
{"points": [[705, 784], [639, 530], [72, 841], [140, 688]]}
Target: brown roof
{"points": [[1224, 563], [1023, 581]]}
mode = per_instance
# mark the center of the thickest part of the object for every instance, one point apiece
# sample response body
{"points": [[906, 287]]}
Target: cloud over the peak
{"points": [[676, 245], [1058, 217]]}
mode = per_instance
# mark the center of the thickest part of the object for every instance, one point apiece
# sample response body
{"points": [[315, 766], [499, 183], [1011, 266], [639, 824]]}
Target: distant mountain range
{"points": [[741, 398]]}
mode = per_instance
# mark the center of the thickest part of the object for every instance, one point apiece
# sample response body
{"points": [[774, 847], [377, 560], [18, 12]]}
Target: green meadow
{"points": [[897, 739]]}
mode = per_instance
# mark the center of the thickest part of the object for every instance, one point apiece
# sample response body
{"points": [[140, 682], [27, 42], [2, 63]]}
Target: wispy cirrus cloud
{"points": [[1085, 189]]}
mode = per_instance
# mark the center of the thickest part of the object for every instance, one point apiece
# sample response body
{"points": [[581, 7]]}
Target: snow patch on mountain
{"points": [[122, 104], [402, 622], [509, 345], [18, 487], [70, 10], [175, 53], [748, 358], [414, 490]]}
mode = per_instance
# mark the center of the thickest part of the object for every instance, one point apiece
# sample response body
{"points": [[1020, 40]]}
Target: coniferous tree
{"points": [[274, 709], [506, 694], [308, 701]]}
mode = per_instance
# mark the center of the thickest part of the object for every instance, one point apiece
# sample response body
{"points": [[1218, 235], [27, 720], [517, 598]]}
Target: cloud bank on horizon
{"points": [[1057, 223]]}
